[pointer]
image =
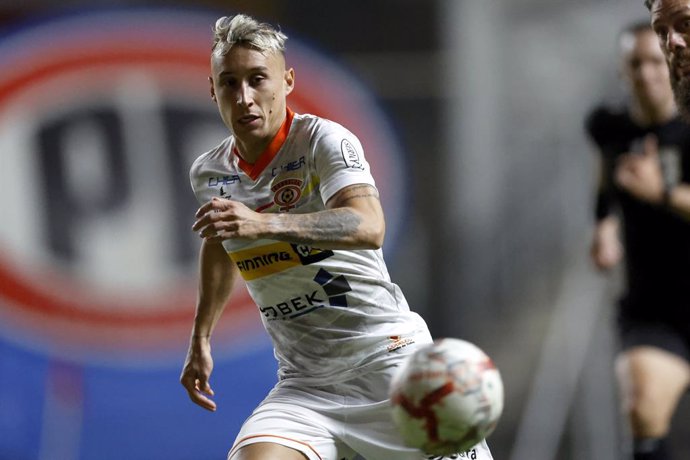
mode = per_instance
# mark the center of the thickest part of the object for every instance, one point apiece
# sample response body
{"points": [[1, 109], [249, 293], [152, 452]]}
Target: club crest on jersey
{"points": [[286, 193], [350, 155]]}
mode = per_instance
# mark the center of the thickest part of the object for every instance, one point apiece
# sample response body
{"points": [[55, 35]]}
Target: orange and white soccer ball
{"points": [[447, 397]]}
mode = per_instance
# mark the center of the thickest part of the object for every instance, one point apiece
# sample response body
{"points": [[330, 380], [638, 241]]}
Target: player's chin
{"points": [[681, 93]]}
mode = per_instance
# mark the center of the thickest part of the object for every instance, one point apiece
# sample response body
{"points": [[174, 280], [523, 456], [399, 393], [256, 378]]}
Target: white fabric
{"points": [[339, 326], [336, 422], [329, 313]]}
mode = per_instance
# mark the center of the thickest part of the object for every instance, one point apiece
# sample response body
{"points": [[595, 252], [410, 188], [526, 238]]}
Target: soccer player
{"points": [[645, 169], [290, 205]]}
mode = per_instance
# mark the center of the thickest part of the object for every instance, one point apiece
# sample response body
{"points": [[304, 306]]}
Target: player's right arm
{"points": [[217, 275], [678, 199], [606, 249]]}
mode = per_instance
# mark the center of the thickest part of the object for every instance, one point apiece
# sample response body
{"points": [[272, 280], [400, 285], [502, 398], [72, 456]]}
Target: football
{"points": [[447, 397]]}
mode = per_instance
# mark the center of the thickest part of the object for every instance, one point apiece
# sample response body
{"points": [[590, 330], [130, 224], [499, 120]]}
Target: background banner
{"points": [[101, 114]]}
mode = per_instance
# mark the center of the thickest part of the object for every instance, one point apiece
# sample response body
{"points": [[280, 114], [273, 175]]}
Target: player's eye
{"points": [[661, 32]]}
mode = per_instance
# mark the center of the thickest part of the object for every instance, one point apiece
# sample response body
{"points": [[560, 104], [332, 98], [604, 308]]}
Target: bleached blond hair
{"points": [[245, 30]]}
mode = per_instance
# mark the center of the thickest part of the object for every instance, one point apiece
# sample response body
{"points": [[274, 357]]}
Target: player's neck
{"points": [[250, 151], [650, 114], [250, 148]]}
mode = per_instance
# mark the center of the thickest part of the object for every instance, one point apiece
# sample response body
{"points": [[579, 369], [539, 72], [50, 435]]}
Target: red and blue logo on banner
{"points": [[101, 115]]}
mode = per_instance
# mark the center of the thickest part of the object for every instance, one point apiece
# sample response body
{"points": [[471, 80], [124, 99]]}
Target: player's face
{"points": [[644, 68], [671, 23], [250, 89]]}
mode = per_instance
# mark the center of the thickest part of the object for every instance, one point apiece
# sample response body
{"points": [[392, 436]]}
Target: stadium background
{"points": [[471, 112]]}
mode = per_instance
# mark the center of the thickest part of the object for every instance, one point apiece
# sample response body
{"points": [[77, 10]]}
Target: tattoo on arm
{"points": [[355, 191], [335, 224], [325, 226], [347, 198]]}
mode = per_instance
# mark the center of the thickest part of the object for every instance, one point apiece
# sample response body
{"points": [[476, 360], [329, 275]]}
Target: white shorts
{"points": [[343, 421]]}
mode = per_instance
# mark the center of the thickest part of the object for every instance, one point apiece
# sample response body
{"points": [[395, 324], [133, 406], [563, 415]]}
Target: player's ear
{"points": [[289, 80], [213, 91]]}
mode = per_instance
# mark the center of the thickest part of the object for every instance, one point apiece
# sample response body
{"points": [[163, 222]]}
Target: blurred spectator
{"points": [[645, 162]]}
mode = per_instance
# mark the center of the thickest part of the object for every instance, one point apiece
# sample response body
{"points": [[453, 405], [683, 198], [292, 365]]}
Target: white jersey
{"points": [[330, 314]]}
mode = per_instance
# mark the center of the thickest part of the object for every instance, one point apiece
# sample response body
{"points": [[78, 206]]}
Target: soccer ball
{"points": [[447, 397]]}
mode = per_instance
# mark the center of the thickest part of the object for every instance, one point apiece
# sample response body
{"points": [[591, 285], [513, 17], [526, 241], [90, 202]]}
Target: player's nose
{"points": [[243, 96], [675, 40]]}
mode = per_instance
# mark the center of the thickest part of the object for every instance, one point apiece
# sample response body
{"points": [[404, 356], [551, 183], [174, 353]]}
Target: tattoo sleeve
{"points": [[341, 225]]}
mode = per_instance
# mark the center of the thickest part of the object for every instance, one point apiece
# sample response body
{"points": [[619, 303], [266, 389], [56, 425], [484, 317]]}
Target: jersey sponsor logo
{"points": [[470, 454], [350, 155], [223, 180], [398, 342], [289, 167], [309, 255], [274, 258], [334, 287], [293, 307]]}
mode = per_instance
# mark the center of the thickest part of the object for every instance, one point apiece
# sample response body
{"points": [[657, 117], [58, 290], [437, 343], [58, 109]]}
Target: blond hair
{"points": [[245, 30]]}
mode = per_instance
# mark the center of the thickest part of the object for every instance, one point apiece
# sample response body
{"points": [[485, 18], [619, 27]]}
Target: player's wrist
{"points": [[199, 346], [666, 195], [198, 337]]}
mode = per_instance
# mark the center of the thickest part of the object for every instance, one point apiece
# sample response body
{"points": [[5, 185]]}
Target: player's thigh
{"points": [[651, 379], [289, 425], [267, 451]]}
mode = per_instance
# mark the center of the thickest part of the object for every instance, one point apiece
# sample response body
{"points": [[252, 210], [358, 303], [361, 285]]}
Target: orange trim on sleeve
{"points": [[253, 170]]}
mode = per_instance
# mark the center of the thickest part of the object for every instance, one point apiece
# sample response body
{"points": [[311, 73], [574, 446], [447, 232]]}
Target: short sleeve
{"points": [[596, 124], [339, 159], [212, 164], [195, 179]]}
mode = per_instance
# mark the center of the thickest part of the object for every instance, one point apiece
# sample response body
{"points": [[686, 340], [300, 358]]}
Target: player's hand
{"points": [[196, 373], [640, 174], [222, 219], [606, 250], [606, 255]]}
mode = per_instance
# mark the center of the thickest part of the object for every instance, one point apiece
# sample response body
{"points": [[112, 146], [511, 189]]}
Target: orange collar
{"points": [[253, 170]]}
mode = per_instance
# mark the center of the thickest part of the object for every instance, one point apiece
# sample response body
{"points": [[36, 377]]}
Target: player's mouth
{"points": [[681, 67], [682, 73], [248, 120]]}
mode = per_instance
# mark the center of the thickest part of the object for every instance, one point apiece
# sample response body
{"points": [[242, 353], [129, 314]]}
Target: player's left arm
{"points": [[641, 176], [678, 199], [353, 219]]}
